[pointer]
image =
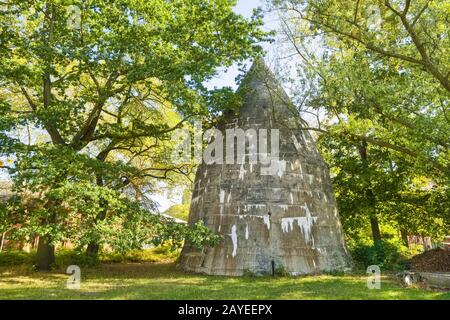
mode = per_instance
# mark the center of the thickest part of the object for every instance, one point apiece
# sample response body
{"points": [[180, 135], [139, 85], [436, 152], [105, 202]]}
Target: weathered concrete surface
{"points": [[287, 221], [437, 279]]}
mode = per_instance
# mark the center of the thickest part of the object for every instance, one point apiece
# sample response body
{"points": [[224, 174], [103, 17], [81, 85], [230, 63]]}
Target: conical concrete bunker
{"points": [[276, 214]]}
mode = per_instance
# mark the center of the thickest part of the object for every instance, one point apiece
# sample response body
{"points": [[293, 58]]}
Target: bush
{"points": [[67, 257], [63, 258], [164, 249], [387, 255], [281, 272], [158, 254], [16, 257]]}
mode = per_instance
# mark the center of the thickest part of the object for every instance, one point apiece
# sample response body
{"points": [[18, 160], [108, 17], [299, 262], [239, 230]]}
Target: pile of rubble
{"points": [[435, 260]]}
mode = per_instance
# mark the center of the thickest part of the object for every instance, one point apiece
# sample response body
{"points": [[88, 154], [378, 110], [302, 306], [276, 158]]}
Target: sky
{"points": [[245, 8]]}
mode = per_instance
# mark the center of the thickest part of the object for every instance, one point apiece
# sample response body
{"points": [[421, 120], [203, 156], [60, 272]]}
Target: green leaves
{"points": [[174, 233], [98, 86], [377, 72]]}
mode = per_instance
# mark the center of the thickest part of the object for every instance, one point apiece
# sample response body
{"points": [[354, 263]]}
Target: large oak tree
{"points": [[97, 78]]}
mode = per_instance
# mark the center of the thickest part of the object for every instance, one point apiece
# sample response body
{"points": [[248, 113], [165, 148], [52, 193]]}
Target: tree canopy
{"points": [[105, 83], [376, 76]]}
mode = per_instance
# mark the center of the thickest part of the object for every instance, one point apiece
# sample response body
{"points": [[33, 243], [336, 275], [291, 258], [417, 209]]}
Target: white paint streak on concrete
{"points": [[233, 236], [221, 200], [297, 144], [267, 221], [287, 224], [281, 168], [283, 206], [257, 206], [253, 216], [305, 223], [291, 197], [242, 172], [246, 232], [222, 196]]}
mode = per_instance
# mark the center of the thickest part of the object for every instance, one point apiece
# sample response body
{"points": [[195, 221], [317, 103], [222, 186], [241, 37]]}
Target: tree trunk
{"points": [[376, 233], [93, 247], [2, 241], [404, 236], [45, 257]]}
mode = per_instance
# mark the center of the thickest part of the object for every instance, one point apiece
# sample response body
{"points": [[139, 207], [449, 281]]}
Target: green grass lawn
{"points": [[164, 281]]}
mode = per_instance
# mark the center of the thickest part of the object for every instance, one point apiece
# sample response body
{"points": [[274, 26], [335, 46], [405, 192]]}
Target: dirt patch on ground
{"points": [[435, 260]]}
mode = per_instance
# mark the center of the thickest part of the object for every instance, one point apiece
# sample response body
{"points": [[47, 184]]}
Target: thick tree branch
{"points": [[51, 130], [419, 14], [381, 143], [133, 135], [420, 46], [425, 61], [86, 132]]}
